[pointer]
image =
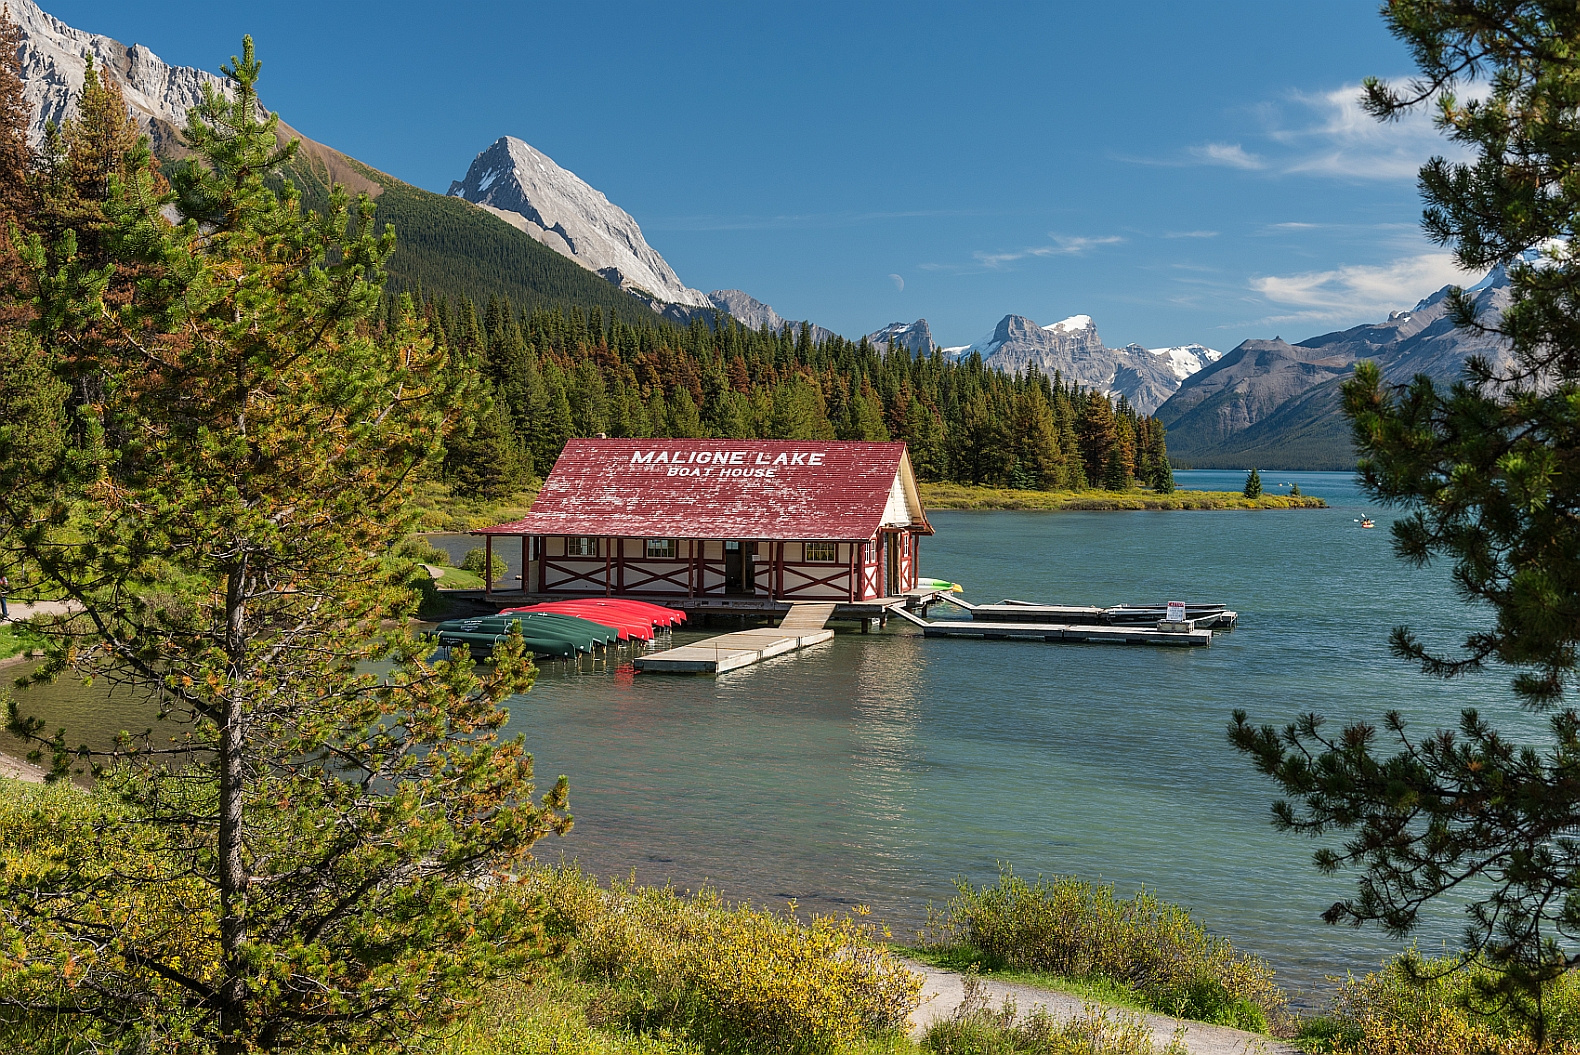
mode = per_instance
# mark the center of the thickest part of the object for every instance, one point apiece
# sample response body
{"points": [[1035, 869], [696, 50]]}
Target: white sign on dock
{"points": [[1176, 612]]}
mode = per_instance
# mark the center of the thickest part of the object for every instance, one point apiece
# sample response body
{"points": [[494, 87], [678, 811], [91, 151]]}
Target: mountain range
{"points": [[1276, 405], [1145, 376], [519, 225]]}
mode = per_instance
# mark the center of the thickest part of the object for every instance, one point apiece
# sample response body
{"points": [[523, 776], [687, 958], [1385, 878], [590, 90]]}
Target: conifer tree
{"points": [[301, 868], [483, 458], [1485, 473], [1099, 439], [15, 117], [685, 422], [1253, 484]]}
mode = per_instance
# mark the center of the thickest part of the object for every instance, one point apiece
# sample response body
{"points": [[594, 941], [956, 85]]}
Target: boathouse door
{"points": [[740, 571], [891, 564]]}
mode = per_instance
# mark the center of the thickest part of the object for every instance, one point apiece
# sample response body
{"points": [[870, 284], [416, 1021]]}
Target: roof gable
{"points": [[752, 489]]}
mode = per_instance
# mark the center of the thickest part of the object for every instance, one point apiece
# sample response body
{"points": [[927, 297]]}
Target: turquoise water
{"points": [[876, 768]]}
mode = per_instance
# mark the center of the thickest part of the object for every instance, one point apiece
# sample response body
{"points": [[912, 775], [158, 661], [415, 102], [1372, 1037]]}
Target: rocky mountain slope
{"points": [[525, 188], [445, 245], [915, 337], [1276, 405], [55, 58], [753, 313], [1073, 348]]}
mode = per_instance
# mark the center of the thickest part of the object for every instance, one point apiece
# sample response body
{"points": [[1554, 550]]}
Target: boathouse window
{"points": [[581, 546], [662, 548], [821, 552]]}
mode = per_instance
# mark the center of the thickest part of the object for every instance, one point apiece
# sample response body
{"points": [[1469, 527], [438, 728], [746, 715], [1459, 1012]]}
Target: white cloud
{"points": [[1359, 291], [1190, 234], [1328, 134], [1063, 245], [1232, 155]]}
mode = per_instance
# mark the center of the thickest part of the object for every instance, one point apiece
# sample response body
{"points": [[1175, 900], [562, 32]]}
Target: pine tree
{"points": [[1037, 440], [1484, 470], [1253, 484], [15, 117], [924, 440], [685, 422], [484, 459], [317, 841], [1099, 440]]}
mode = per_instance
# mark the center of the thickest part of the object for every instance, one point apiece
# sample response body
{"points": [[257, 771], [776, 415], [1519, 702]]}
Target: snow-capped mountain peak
{"points": [[1073, 348], [1187, 359], [1072, 324], [526, 188], [915, 337]]}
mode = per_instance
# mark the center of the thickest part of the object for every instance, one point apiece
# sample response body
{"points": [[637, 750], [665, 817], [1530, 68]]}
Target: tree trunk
{"points": [[232, 871]]}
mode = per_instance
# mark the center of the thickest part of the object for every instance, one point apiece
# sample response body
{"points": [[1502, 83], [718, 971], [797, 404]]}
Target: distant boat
{"points": [[1367, 522]]}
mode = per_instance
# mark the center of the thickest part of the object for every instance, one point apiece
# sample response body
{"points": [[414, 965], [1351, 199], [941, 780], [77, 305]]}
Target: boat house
{"points": [[775, 520]]}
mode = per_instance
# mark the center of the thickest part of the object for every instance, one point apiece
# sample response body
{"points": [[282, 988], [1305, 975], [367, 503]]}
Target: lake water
{"points": [[876, 768]]}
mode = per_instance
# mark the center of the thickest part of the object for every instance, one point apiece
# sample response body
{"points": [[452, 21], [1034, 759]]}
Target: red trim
{"points": [[590, 577], [671, 577]]}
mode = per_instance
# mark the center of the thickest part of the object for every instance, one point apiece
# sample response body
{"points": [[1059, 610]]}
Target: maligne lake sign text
{"points": [[723, 463]]}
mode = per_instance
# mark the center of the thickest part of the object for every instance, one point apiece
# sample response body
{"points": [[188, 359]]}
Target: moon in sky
{"points": [[899, 283]]}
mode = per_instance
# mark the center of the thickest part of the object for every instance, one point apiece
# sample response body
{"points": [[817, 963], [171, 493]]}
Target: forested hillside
{"points": [[558, 373], [451, 247]]}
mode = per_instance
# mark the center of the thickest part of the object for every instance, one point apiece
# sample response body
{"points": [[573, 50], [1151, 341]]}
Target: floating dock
{"points": [[802, 626], [1204, 616], [1181, 635]]}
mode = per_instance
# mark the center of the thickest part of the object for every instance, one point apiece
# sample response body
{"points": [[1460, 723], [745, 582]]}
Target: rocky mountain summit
{"points": [[54, 60], [753, 313], [1276, 405], [525, 188], [1073, 347], [915, 337]]}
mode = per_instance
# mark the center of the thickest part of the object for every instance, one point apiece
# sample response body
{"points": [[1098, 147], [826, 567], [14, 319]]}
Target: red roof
{"points": [[720, 489]]}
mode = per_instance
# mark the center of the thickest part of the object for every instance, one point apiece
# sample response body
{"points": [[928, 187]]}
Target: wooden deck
{"points": [[801, 626]]}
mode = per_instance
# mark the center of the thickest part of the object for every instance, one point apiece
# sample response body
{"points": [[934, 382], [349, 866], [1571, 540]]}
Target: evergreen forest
{"points": [[555, 373]]}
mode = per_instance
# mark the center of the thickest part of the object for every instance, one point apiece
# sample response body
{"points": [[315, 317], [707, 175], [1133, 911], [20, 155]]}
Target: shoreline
{"points": [[947, 496]]}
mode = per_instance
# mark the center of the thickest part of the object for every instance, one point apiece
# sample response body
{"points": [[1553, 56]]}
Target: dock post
{"points": [[488, 566], [866, 625]]}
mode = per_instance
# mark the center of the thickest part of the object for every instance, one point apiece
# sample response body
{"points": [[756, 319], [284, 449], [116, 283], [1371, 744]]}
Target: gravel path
{"points": [[22, 611], [943, 991]]}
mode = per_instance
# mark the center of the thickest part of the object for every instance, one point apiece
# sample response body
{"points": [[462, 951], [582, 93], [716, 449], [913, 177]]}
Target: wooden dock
{"points": [[1061, 632], [802, 626], [1205, 616]]}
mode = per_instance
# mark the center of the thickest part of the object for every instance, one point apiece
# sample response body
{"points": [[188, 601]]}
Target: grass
{"points": [[977, 1029], [1069, 929], [459, 579], [17, 638], [439, 510], [966, 496]]}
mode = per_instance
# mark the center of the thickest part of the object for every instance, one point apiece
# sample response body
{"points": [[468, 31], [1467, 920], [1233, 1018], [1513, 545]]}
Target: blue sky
{"points": [[1179, 171]]}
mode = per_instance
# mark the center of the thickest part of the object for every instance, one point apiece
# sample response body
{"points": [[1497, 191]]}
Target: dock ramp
{"points": [[802, 626]]}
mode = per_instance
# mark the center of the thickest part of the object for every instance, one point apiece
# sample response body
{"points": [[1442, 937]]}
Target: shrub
{"points": [[475, 560], [1416, 1006], [418, 548], [730, 977], [546, 1014], [1068, 927], [976, 1029]]}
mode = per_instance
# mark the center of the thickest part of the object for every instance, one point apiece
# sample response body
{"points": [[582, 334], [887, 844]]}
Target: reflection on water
{"points": [[876, 768]]}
